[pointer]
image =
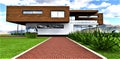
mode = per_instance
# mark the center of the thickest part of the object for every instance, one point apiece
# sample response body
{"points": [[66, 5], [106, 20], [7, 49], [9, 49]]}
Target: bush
{"points": [[81, 37], [31, 35], [105, 41], [17, 33], [97, 40]]}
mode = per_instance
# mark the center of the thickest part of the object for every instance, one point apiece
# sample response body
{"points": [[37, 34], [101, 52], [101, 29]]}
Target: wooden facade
{"points": [[15, 14], [100, 18], [87, 13]]}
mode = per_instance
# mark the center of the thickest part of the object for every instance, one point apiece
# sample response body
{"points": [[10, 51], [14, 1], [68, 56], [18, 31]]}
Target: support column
{"points": [[76, 17], [100, 18]]}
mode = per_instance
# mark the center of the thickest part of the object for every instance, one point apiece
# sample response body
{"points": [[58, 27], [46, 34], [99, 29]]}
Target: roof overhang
{"points": [[83, 12]]}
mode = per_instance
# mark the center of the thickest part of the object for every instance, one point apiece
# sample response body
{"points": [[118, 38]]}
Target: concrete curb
{"points": [[30, 48], [88, 49]]}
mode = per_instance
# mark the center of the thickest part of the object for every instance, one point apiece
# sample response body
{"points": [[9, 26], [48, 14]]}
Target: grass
{"points": [[11, 46], [107, 44], [8, 35], [108, 54]]}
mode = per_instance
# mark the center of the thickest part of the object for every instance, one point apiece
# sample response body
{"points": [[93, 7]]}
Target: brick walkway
{"points": [[59, 48]]}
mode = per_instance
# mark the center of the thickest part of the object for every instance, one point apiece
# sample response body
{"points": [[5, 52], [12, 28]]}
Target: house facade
{"points": [[52, 20]]}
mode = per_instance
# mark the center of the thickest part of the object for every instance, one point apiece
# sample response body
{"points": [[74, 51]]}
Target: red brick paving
{"points": [[59, 48]]}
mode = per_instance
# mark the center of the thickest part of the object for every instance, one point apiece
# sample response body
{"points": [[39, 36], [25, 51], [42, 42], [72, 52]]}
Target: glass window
{"points": [[83, 16], [88, 16], [93, 16], [50, 26], [57, 14], [32, 12]]}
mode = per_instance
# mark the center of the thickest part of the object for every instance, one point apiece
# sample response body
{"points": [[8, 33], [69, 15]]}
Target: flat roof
{"points": [[42, 6], [83, 12]]}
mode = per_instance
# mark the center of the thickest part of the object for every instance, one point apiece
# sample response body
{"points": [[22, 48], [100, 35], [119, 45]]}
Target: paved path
{"points": [[59, 48]]}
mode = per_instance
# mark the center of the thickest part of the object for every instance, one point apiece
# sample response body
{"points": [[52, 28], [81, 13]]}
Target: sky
{"points": [[109, 8]]}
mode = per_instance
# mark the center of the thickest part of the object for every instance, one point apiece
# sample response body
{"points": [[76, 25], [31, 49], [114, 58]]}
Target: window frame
{"points": [[58, 13], [26, 12], [51, 26]]}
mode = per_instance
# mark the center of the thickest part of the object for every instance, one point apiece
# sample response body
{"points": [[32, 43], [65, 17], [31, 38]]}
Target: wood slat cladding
{"points": [[83, 12], [15, 14], [100, 18], [77, 18], [88, 13]]}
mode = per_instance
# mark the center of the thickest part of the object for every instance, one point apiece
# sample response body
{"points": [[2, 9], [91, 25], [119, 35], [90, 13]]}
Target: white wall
{"points": [[68, 27], [53, 31]]}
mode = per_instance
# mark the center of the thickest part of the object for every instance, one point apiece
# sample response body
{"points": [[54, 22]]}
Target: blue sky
{"points": [[110, 9]]}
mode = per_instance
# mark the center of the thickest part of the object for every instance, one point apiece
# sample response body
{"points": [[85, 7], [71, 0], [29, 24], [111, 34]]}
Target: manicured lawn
{"points": [[11, 46], [107, 44], [108, 54]]}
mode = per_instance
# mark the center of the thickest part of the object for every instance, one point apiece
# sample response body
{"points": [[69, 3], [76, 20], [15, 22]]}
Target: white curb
{"points": [[30, 49], [88, 49]]}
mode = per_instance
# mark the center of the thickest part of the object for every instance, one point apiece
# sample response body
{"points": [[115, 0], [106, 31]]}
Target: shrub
{"points": [[105, 41], [31, 35], [17, 33], [78, 36], [97, 40], [73, 36]]}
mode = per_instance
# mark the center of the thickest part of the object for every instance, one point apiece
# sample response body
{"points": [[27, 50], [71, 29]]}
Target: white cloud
{"points": [[112, 11], [106, 21], [5, 26], [8, 2], [17, 2], [112, 21], [1, 17], [103, 4], [77, 4], [53, 3], [2, 14], [45, 1]]}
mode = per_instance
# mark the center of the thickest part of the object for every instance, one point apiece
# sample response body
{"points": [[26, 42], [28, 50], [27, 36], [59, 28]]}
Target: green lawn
{"points": [[11, 46], [107, 44], [108, 54]]}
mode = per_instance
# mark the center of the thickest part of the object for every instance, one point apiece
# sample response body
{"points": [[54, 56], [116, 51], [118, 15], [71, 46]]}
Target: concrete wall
{"points": [[53, 31], [68, 27]]}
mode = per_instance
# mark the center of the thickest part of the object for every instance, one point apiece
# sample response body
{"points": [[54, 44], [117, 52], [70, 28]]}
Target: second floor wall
{"points": [[50, 14], [37, 14]]}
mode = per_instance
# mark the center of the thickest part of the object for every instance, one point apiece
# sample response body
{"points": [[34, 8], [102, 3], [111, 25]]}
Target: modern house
{"points": [[52, 20]]}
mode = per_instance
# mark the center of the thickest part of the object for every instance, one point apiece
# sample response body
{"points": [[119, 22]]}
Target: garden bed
{"points": [[107, 44]]}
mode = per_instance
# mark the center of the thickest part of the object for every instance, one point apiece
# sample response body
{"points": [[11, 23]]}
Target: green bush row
{"points": [[17, 33], [31, 35], [97, 40]]}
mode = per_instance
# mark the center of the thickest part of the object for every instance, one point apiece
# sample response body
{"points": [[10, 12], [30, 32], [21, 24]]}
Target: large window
{"points": [[87, 16], [32, 12], [57, 14], [50, 26]]}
